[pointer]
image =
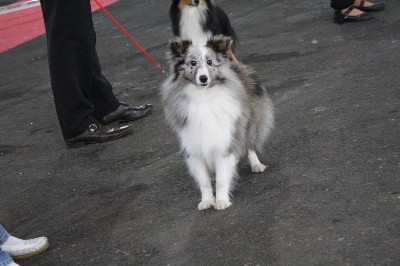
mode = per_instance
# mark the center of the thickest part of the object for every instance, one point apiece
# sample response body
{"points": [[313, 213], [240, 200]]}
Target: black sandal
{"points": [[374, 8], [340, 18]]}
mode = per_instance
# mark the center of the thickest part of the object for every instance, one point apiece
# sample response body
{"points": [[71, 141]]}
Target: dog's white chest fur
{"points": [[212, 114], [192, 19]]}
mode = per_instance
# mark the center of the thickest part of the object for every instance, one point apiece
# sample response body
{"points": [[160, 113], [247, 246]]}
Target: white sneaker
{"points": [[13, 264], [27, 248]]}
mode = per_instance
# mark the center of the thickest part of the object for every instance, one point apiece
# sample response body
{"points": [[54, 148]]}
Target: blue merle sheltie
{"points": [[219, 111], [199, 20]]}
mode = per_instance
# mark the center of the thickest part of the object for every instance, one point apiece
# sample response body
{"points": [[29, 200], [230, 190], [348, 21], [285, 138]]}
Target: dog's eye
{"points": [[193, 63], [209, 62]]}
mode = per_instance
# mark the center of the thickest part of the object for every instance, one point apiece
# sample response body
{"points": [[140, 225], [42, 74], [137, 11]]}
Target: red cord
{"points": [[130, 37]]}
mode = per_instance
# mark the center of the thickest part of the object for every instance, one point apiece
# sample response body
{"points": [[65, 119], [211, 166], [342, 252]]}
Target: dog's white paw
{"points": [[258, 168], [205, 204], [222, 204]]}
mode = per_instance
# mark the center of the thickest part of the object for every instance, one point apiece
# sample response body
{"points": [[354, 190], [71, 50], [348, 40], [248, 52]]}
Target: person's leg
{"points": [[4, 235], [81, 93], [341, 4], [101, 91], [5, 259]]}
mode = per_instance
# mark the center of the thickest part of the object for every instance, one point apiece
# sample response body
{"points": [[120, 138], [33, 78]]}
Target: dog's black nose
{"points": [[196, 2], [203, 79]]}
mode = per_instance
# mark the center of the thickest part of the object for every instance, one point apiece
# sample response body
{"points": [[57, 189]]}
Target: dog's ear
{"points": [[179, 46], [221, 44]]}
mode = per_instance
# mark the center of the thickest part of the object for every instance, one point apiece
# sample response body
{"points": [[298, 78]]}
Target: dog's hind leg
{"points": [[199, 171], [256, 165], [225, 169]]}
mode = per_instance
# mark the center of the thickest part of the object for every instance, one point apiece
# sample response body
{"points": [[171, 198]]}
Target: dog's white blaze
{"points": [[203, 70], [191, 24], [212, 114]]}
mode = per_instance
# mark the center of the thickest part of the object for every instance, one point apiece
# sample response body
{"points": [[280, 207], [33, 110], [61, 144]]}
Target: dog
{"points": [[219, 110], [199, 20]]}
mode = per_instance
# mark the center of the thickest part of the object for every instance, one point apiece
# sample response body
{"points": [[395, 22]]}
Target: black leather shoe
{"points": [[125, 113], [97, 133], [340, 18], [374, 8]]}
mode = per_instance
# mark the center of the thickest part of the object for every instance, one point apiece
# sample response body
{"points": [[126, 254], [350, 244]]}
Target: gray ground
{"points": [[331, 194]]}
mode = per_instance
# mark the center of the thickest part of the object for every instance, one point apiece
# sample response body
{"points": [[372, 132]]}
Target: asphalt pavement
{"points": [[331, 193]]}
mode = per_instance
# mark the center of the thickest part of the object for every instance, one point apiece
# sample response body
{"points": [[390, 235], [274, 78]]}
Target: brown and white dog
{"points": [[199, 20]]}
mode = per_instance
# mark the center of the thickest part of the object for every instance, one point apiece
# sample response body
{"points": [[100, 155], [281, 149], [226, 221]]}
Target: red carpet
{"points": [[24, 25]]}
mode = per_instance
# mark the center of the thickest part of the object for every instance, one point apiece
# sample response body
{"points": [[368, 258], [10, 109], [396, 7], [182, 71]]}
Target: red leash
{"points": [[130, 37]]}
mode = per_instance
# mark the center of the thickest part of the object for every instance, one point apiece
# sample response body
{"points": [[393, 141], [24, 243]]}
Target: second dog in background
{"points": [[199, 20], [220, 112]]}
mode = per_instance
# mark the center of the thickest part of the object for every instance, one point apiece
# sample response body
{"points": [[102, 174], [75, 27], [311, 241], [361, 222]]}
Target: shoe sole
{"points": [[130, 120], [83, 143], [354, 19], [120, 122], [41, 250]]}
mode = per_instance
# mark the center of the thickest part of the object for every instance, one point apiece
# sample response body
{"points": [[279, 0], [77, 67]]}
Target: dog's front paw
{"points": [[258, 168], [222, 204], [205, 204]]}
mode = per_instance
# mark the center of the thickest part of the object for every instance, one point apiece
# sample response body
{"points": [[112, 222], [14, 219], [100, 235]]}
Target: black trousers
{"points": [[341, 4], [81, 93]]}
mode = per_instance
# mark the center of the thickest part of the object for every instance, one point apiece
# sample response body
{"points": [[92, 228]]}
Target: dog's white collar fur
{"points": [[190, 26]]}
